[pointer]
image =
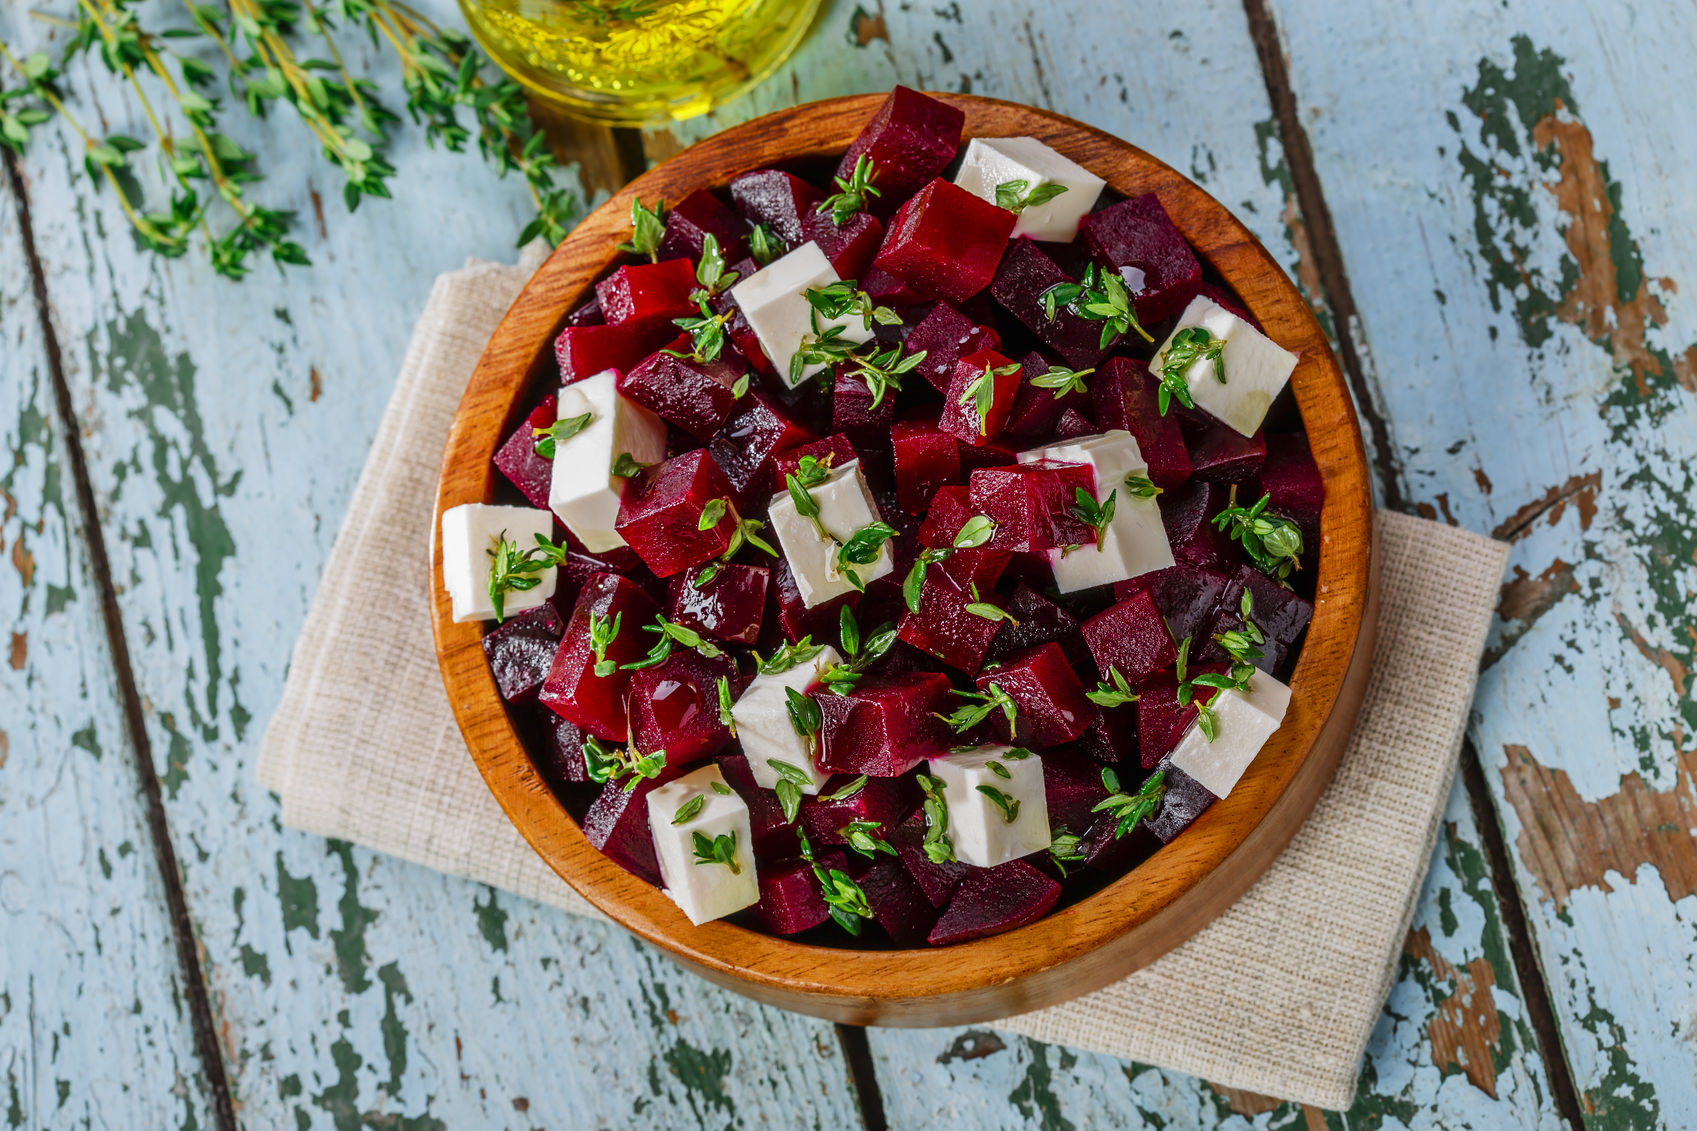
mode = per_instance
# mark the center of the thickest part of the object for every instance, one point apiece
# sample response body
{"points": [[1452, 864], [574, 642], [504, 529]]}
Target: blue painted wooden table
{"points": [[1487, 204]]}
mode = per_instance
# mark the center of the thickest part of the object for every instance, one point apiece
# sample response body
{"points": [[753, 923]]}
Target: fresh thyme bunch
{"points": [[264, 54]]}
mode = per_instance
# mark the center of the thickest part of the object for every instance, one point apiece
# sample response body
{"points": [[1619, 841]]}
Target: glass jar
{"points": [[639, 62]]}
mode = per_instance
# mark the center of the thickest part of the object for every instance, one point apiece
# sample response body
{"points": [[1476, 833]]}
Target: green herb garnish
{"points": [[1008, 805], [513, 572], [980, 393], [725, 703], [978, 708], [1273, 542], [1140, 487], [627, 466], [547, 439], [722, 849], [979, 607], [882, 370], [648, 228], [1013, 196], [1187, 347], [706, 333], [860, 838], [1064, 849], [764, 244], [789, 656], [710, 272], [1129, 808], [938, 847], [605, 764], [847, 791], [1095, 515], [1063, 380], [805, 717], [1098, 296], [852, 192], [792, 780], [671, 632], [843, 299], [1113, 691], [687, 811], [602, 633], [861, 549], [843, 897]]}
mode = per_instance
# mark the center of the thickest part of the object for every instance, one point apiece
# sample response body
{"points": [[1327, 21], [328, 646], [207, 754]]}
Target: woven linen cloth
{"points": [[1279, 994]]}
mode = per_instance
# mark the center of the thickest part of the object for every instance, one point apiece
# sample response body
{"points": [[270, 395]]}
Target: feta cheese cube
{"points": [[996, 160], [584, 492], [845, 505], [1136, 540], [1244, 721], [1256, 368], [470, 536], [762, 717], [774, 301], [703, 890], [978, 826]]}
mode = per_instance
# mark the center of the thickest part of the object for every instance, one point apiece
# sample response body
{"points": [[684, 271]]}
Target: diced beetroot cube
{"points": [[852, 412], [898, 903], [742, 336], [937, 880], [517, 459], [1027, 270], [589, 314], [1052, 707], [695, 395], [945, 336], [674, 706], [911, 139], [1036, 410], [1072, 785], [776, 198], [886, 289], [1132, 638], [835, 450], [850, 248], [1138, 239], [745, 447], [729, 607], [572, 689], [1112, 734], [1185, 800], [1279, 613], [617, 825], [555, 746], [521, 651], [882, 801], [975, 456], [946, 242], [992, 900], [661, 511], [961, 418], [1073, 424], [1188, 513], [1188, 596], [772, 832], [584, 351], [1225, 455], [1039, 621], [790, 900], [926, 460], [951, 507], [795, 617], [1124, 394], [886, 725], [1030, 503], [1161, 722], [1292, 481], [648, 294], [942, 627], [696, 217]]}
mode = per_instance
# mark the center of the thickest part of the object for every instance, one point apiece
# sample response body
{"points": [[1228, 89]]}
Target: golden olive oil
{"points": [[631, 62]]}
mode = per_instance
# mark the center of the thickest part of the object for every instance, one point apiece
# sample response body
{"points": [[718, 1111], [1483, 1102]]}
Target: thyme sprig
{"points": [[1187, 347], [1129, 808], [1114, 691], [647, 229], [844, 899], [1063, 380], [980, 393], [862, 549], [974, 532], [706, 332], [670, 633], [622, 766], [764, 244], [711, 271], [789, 656], [1065, 849], [1095, 515], [1098, 296], [602, 633], [792, 780], [1008, 805], [1012, 195], [547, 440], [513, 572], [854, 192], [721, 849], [859, 836], [978, 707], [882, 370], [939, 848], [979, 607], [1273, 542], [844, 299]]}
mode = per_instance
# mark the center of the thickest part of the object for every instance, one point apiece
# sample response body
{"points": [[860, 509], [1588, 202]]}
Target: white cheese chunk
{"points": [[1244, 721], [703, 890], [1256, 367], [993, 161], [762, 717], [774, 301], [978, 826], [584, 492], [845, 505], [470, 534], [1136, 540]]}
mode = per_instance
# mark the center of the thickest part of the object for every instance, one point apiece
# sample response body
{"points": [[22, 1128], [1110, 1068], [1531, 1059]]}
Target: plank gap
{"points": [[165, 856], [863, 1076]]}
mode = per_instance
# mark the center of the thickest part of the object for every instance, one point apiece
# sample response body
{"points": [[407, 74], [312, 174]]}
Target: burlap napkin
{"points": [[1279, 995]]}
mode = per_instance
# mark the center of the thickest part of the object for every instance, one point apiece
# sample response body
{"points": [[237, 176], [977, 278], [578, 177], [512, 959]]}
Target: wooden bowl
{"points": [[1081, 947]]}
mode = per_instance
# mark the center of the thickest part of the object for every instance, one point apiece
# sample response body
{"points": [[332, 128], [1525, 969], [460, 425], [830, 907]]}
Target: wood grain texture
{"points": [[1080, 947], [1522, 259]]}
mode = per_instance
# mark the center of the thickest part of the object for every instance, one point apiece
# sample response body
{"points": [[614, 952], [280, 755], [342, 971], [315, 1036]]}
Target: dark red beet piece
{"points": [[1036, 410], [1230, 301], [945, 242], [1039, 621], [648, 294], [1026, 271], [1132, 638], [951, 507], [521, 651], [584, 351], [911, 139], [793, 615], [886, 725], [853, 415], [1105, 852], [589, 314], [1280, 614], [960, 417], [517, 459], [850, 248], [1073, 424], [992, 900], [937, 881], [1124, 395], [674, 706], [926, 459], [1224, 455], [696, 217], [1188, 513], [886, 289], [554, 745], [942, 627], [617, 825], [790, 900], [1188, 596], [1161, 722], [1137, 238], [1030, 503], [898, 903], [661, 511], [1112, 734], [1072, 785], [772, 832], [729, 607], [572, 689], [975, 456], [745, 447], [1052, 707], [1291, 480], [882, 801], [695, 395], [1184, 801], [945, 336], [778, 199], [836, 446]]}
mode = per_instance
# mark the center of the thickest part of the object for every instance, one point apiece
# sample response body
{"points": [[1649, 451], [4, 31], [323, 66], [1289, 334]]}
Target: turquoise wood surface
{"points": [[1508, 204]]}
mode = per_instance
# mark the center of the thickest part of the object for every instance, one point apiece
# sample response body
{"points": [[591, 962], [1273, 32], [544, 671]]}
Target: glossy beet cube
{"points": [[1131, 637], [899, 905], [946, 242], [1026, 271], [1074, 424], [772, 832], [584, 351], [572, 689], [1030, 504], [1291, 480], [790, 900], [794, 616], [853, 415], [886, 289], [745, 447], [882, 801], [517, 459], [778, 199], [1072, 785], [1052, 706], [1112, 735], [1124, 395], [1138, 239], [1038, 621], [696, 217], [521, 651], [911, 139], [961, 418], [1188, 596], [1279, 613], [1188, 513], [728, 607], [943, 627], [742, 336], [674, 706], [834, 450], [945, 336], [1036, 411], [554, 745], [992, 900], [1225, 455], [886, 725], [926, 460], [1185, 800], [589, 314], [951, 507], [617, 825], [662, 509], [696, 396], [647, 294], [1161, 720], [937, 880], [851, 246]]}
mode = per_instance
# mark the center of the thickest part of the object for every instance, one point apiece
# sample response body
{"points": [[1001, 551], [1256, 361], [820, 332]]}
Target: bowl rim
{"points": [[1326, 683]]}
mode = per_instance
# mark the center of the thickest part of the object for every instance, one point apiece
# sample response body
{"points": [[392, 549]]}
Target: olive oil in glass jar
{"points": [[636, 62]]}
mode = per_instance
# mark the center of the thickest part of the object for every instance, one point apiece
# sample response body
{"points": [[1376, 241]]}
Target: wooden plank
{"points": [[93, 1029], [1517, 258], [226, 426]]}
